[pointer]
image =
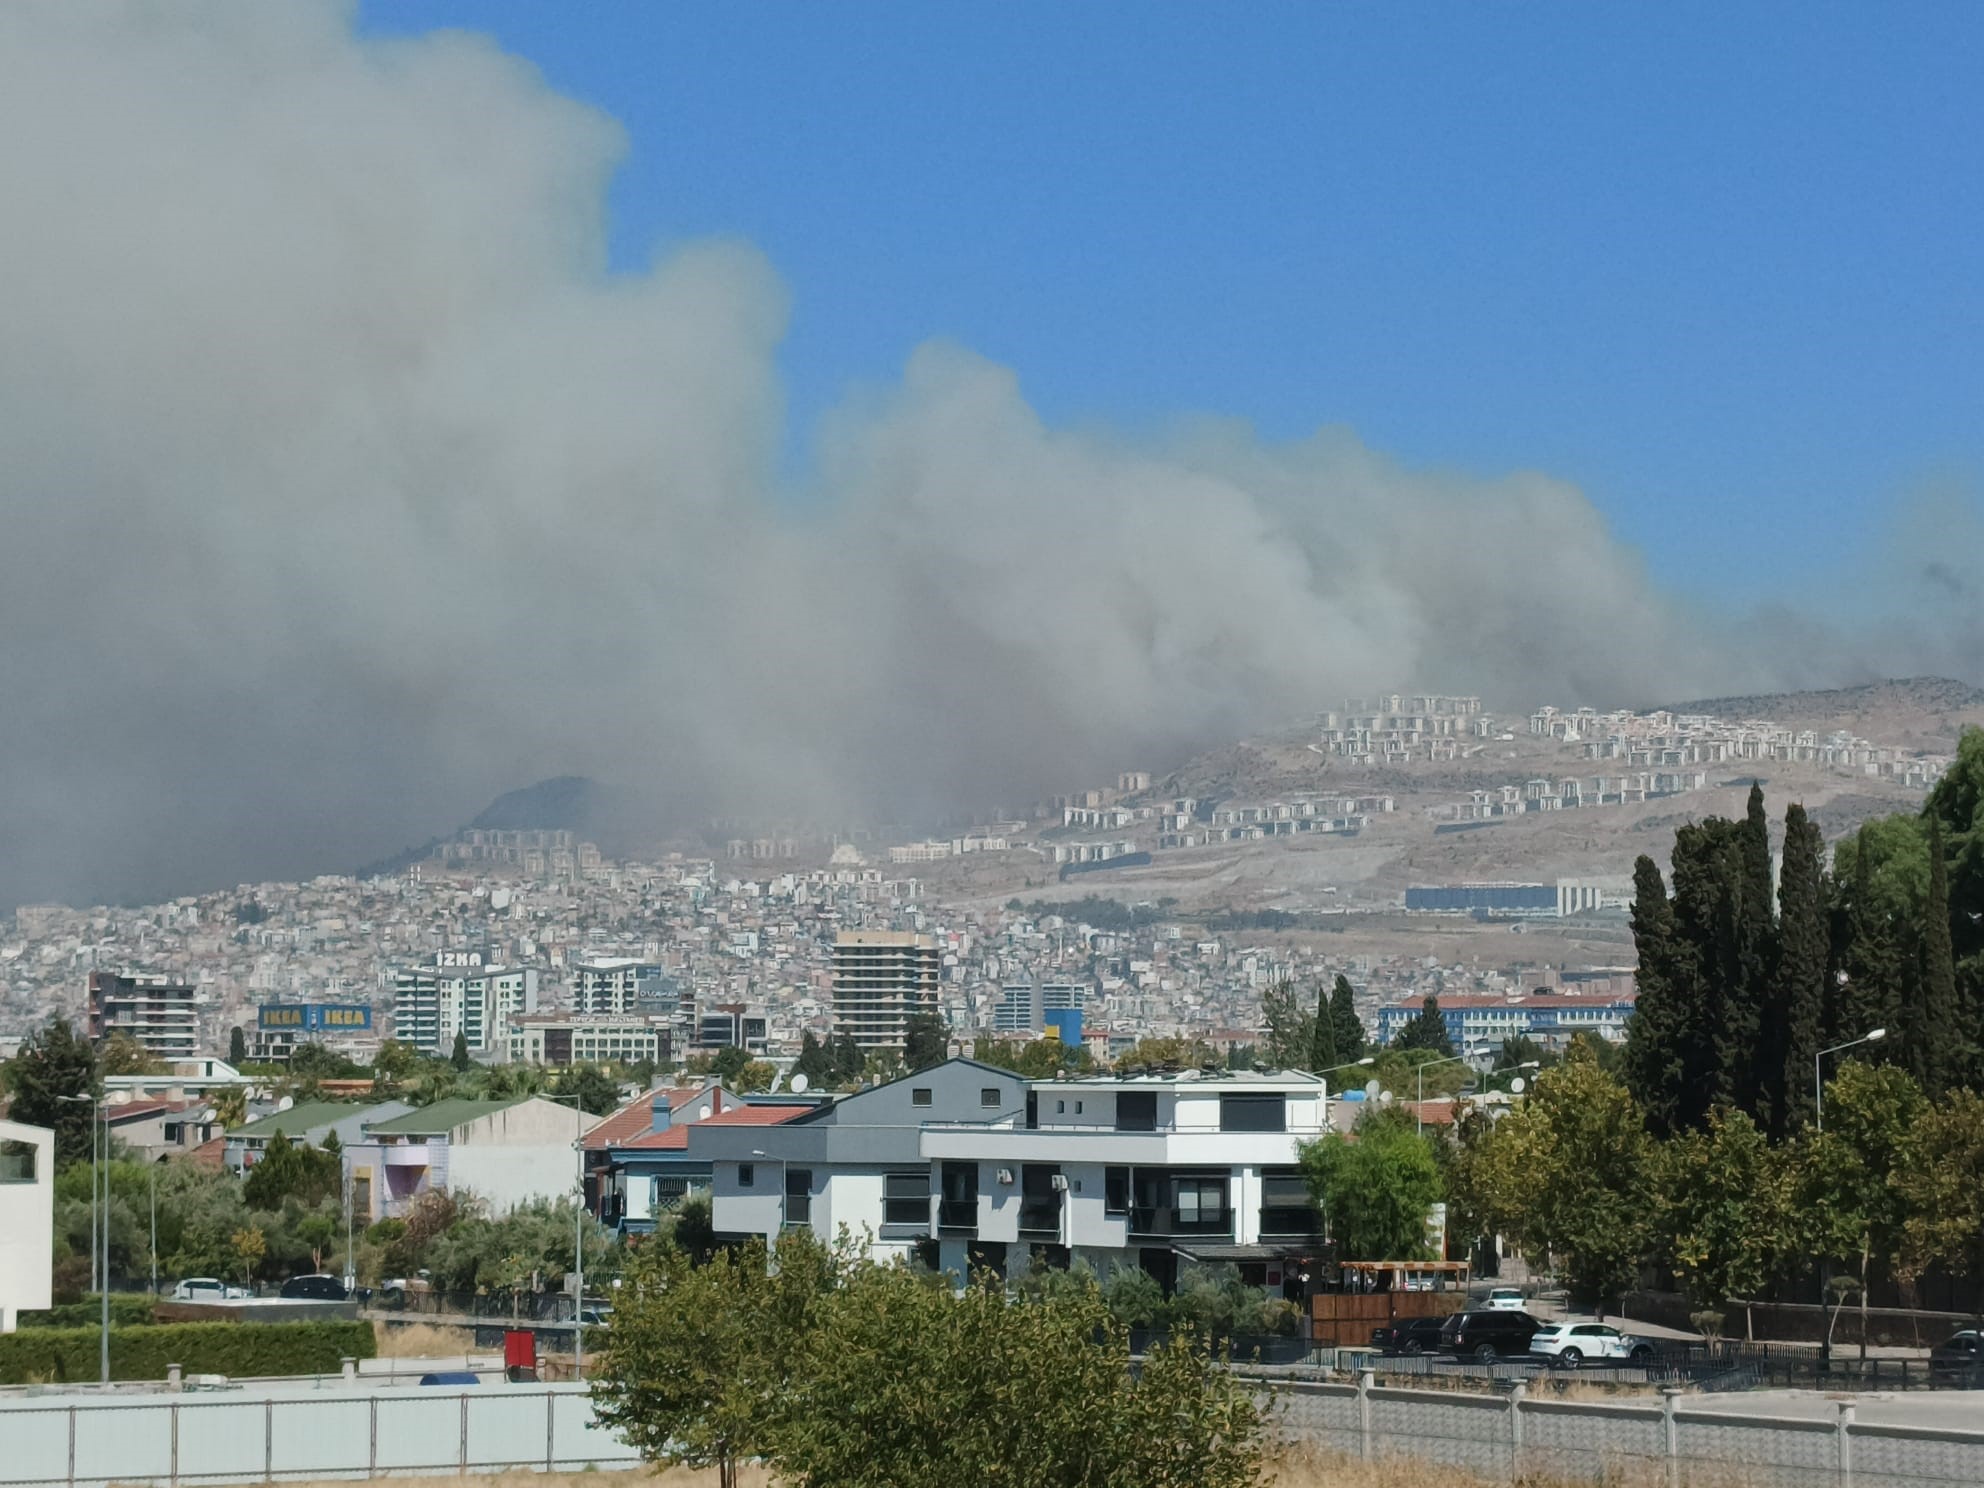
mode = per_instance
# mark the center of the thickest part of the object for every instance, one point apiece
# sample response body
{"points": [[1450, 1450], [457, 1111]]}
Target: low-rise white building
{"points": [[27, 1219], [505, 1152], [1132, 1171]]}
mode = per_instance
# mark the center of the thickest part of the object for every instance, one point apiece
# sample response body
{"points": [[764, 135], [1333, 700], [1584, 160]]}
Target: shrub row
{"points": [[127, 1310], [243, 1350]]}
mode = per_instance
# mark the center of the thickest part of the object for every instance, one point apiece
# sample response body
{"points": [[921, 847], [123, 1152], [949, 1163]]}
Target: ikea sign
{"points": [[314, 1017]]}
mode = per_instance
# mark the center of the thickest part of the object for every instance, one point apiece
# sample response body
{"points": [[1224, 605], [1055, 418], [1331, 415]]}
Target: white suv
{"points": [[1504, 1299], [207, 1289], [1569, 1344]]}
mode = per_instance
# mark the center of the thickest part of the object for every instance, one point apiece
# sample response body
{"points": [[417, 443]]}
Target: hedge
{"points": [[127, 1310], [242, 1350]]}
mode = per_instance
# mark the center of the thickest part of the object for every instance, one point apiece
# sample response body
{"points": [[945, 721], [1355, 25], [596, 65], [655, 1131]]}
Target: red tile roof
{"points": [[632, 1125]]}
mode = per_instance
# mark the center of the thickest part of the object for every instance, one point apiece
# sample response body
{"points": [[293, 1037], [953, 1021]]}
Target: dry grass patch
{"points": [[423, 1341]]}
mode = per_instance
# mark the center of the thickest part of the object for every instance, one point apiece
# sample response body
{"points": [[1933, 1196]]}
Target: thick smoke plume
{"points": [[341, 487]]}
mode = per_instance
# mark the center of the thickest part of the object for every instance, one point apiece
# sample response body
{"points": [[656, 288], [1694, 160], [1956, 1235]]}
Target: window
{"points": [[1199, 1204], [989, 1096], [957, 1209], [1040, 1199], [1115, 1190], [17, 1161], [1060, 1108], [1078, 1108], [798, 1196], [1136, 1110], [1253, 1113], [906, 1199], [1285, 1205], [747, 1175], [919, 1095]]}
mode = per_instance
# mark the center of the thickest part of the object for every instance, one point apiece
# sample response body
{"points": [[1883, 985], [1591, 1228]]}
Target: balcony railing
{"points": [[1040, 1218], [958, 1215], [1159, 1222]]}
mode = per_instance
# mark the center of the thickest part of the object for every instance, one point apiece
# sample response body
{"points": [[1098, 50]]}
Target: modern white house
{"points": [[1139, 1170], [505, 1152], [853, 1164], [27, 1219]]}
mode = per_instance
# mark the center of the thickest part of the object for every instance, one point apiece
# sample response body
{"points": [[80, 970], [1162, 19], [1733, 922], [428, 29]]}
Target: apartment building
{"points": [[459, 994], [163, 1016], [1023, 1006], [619, 985], [1139, 1170], [881, 979], [560, 1039], [1552, 1019]]}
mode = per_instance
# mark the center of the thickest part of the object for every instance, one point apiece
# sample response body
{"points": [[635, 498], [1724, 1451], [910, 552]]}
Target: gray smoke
{"points": [[342, 487]]}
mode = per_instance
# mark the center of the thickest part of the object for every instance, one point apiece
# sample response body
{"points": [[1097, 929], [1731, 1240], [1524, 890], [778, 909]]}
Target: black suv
{"points": [[318, 1288], [1409, 1336], [1487, 1336]]}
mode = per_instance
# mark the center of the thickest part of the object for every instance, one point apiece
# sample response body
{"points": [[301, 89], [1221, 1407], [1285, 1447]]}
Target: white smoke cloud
{"points": [[342, 486]]}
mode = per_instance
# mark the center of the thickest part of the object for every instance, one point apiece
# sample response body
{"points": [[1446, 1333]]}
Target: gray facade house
{"points": [[856, 1164], [308, 1123]]}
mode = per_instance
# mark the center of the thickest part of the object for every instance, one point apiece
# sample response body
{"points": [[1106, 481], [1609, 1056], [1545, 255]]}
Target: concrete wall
{"points": [[504, 1177]]}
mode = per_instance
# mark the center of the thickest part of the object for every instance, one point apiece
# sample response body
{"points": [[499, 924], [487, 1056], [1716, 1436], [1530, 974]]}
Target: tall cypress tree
{"points": [[1872, 994], [1758, 901], [1947, 1044], [1349, 1027], [1799, 993], [1323, 1053], [1657, 1039]]}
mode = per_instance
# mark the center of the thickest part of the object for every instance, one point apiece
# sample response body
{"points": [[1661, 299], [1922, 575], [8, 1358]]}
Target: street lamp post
{"points": [[1818, 1084], [578, 1239], [1419, 1106], [99, 1232]]}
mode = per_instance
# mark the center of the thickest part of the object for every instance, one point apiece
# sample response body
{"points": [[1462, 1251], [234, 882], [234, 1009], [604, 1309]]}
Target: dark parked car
{"points": [[1959, 1360], [1409, 1336], [319, 1288], [1487, 1336]]}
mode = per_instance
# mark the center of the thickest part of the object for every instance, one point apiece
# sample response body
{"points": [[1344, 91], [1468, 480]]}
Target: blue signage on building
{"points": [[314, 1017]]}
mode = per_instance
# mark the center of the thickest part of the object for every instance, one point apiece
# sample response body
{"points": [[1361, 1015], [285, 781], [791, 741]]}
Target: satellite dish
{"points": [[1371, 1089], [799, 1084], [1384, 1097], [703, 1111], [288, 1102], [1518, 1085]]}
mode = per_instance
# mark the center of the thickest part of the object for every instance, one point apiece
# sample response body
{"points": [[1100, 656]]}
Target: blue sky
{"points": [[1720, 265]]}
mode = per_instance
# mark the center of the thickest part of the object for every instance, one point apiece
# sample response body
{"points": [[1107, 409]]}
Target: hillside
{"points": [[1926, 713]]}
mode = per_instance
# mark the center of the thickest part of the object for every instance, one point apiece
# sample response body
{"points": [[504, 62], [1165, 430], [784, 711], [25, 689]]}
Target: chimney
{"points": [[659, 1114]]}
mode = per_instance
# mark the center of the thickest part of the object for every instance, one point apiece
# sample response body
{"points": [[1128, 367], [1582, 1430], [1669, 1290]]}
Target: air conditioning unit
{"points": [[1006, 1176], [1058, 1183]]}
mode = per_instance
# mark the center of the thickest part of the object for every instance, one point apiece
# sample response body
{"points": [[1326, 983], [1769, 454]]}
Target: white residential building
{"points": [[27, 1219], [1132, 1171], [458, 994]]}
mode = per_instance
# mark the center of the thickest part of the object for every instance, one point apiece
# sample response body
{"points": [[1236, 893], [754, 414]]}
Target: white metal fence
{"points": [[1509, 1435], [259, 1438]]}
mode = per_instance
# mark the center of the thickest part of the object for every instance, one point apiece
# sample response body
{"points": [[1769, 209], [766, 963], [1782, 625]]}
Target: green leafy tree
{"points": [[1350, 1040], [926, 1041], [1568, 1174], [1290, 1029], [815, 1063], [1940, 1185], [1726, 1210], [1949, 1044], [1850, 1208], [237, 1047], [291, 1170], [848, 1060], [591, 1088], [902, 1384], [1168, 1054], [459, 1055], [1322, 1047], [1666, 1044], [1037, 1059], [53, 1066], [123, 1055], [1798, 995], [1376, 1190], [1426, 1029], [702, 1360]]}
